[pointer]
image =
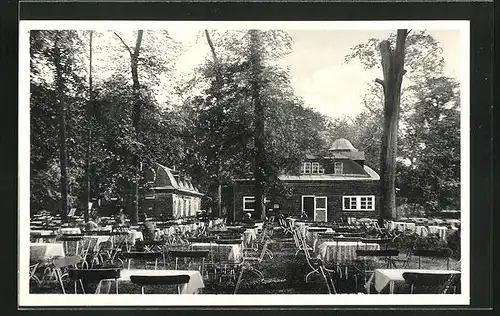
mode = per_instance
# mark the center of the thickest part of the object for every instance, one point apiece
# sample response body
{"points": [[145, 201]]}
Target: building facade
{"points": [[324, 188], [167, 194]]}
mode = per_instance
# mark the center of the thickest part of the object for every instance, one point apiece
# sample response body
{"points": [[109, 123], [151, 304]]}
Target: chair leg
{"points": [[58, 276], [239, 280], [310, 273]]}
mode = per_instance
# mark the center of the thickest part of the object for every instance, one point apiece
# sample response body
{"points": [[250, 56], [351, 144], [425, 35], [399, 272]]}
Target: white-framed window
{"points": [[358, 203], [321, 170], [306, 168], [338, 168], [315, 168], [248, 203]]}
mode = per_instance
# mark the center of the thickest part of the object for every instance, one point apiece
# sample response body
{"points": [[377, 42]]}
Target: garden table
{"points": [[44, 252], [342, 251], [70, 231], [192, 287], [387, 280], [440, 230], [421, 231], [43, 236]]}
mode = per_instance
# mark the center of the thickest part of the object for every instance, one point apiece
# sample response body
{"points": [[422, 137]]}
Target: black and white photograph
{"points": [[244, 163]]}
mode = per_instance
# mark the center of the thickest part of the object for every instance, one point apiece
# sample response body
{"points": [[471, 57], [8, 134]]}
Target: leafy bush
{"points": [[454, 242]]}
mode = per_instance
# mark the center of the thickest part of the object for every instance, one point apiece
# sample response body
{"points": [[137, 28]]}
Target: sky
{"points": [[319, 74]]}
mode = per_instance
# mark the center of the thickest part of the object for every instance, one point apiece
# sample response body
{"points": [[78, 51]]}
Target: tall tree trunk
{"points": [[62, 129], [393, 70], [136, 117], [259, 121], [89, 136], [218, 95]]}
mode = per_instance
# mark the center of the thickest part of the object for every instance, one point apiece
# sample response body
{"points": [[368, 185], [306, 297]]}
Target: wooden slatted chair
{"points": [[443, 253], [250, 263], [86, 276], [146, 257]]}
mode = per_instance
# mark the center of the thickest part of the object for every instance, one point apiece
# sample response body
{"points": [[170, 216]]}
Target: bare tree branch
{"points": [[124, 44], [212, 48], [380, 81]]}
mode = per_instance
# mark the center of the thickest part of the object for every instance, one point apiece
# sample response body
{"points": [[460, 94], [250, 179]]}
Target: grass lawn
{"points": [[283, 274]]}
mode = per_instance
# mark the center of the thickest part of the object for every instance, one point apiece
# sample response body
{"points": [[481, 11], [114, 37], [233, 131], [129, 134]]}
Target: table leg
{"points": [[391, 287]]}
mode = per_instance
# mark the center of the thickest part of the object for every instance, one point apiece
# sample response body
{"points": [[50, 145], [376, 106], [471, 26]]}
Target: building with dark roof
{"points": [[169, 194], [324, 187]]}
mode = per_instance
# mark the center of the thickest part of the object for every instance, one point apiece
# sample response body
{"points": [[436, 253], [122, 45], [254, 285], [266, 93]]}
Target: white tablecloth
{"points": [[45, 251], [421, 231], [192, 287], [133, 235], [440, 230], [381, 278], [96, 240], [402, 226], [70, 230], [249, 236], [343, 250], [231, 253]]}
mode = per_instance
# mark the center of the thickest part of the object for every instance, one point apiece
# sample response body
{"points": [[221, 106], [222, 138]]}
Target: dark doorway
{"points": [[308, 206]]}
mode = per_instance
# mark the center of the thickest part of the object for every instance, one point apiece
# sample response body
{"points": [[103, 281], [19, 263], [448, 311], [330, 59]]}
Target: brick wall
{"points": [[332, 190]]}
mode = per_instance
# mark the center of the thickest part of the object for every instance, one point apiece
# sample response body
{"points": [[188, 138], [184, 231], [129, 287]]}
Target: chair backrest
{"points": [[142, 255], [230, 236], [433, 253], [143, 280], [440, 280], [228, 241], [380, 241], [202, 239], [189, 253], [341, 238], [377, 253], [89, 275], [71, 237], [67, 261], [72, 212]]}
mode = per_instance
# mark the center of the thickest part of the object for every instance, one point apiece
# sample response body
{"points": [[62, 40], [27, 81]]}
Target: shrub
{"points": [[454, 242]]}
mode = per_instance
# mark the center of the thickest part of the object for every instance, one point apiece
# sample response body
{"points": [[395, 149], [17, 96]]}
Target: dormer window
{"points": [[312, 168], [338, 168], [306, 168]]}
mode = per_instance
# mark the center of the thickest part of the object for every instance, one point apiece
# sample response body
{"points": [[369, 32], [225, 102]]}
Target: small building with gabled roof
{"points": [[324, 187], [168, 194]]}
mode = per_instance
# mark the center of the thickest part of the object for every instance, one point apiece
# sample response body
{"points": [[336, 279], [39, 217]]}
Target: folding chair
{"points": [[87, 276], [147, 280], [387, 254], [432, 283], [249, 264], [146, 257], [223, 266], [191, 256], [65, 262]]}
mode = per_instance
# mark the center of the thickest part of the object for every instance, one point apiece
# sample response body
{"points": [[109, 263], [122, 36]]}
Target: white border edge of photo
{"points": [[26, 300]]}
